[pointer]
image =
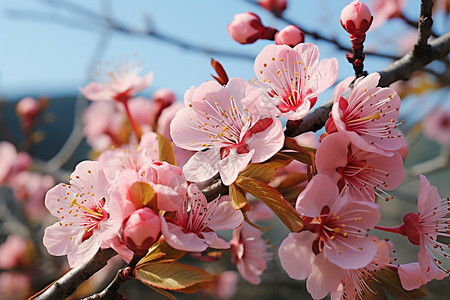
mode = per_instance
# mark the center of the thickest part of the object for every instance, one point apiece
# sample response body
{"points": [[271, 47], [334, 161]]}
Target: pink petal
{"points": [[332, 154], [232, 165], [341, 87], [296, 255], [84, 251], [267, 142], [325, 75], [225, 216], [214, 241], [351, 253], [57, 241], [319, 192], [429, 197], [411, 276], [178, 239], [324, 278], [202, 165], [95, 91]]}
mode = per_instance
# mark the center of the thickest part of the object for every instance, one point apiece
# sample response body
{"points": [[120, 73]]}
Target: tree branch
{"points": [[424, 26], [68, 283]]}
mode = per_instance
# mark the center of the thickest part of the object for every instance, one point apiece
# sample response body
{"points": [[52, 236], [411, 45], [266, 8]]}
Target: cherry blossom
{"points": [[425, 228], [247, 28], [383, 10], [293, 78], [13, 252], [436, 126], [370, 111], [119, 82], [356, 18], [275, 6], [130, 156], [290, 35], [12, 162], [227, 134], [356, 169], [249, 252], [334, 237], [197, 220], [356, 281], [88, 217]]}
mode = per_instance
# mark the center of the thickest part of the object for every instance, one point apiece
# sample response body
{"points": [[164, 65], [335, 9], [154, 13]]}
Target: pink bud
{"points": [[247, 28], [27, 109], [356, 18], [290, 35], [275, 6], [141, 229], [164, 96]]}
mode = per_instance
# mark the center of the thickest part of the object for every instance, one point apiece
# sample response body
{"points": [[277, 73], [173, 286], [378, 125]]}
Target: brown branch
{"points": [[68, 283], [424, 27]]}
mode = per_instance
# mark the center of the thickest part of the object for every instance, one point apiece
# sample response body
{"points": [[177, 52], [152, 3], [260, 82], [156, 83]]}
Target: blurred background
{"points": [[50, 48]]}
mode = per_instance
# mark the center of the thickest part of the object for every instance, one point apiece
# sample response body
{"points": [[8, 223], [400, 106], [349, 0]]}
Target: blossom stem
{"points": [[396, 229], [134, 125]]}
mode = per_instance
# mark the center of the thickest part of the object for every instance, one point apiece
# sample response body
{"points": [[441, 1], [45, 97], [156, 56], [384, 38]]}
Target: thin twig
{"points": [[424, 27]]}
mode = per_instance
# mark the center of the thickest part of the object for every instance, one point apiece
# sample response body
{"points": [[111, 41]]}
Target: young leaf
{"points": [[162, 252], [166, 150], [142, 194], [300, 156], [290, 143], [277, 161], [260, 172], [174, 276], [390, 282], [273, 199], [237, 199]]}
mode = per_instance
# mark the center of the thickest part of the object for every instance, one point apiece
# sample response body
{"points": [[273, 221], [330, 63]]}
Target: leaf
{"points": [[162, 252], [164, 293], [237, 199], [290, 143], [259, 172], [290, 180], [166, 150], [174, 276], [301, 157], [273, 199], [277, 161], [249, 222], [142, 194]]}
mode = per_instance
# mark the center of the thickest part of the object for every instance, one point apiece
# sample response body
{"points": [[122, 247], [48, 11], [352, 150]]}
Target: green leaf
{"points": [[142, 194], [237, 199], [174, 276], [166, 150], [260, 172], [274, 200], [159, 253]]}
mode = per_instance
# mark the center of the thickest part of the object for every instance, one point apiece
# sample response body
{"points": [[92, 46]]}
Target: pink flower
{"points": [[13, 252], [294, 78], [165, 97], [226, 285], [246, 28], [431, 222], [164, 120], [357, 169], [370, 111], [249, 253], [333, 240], [30, 188], [290, 35], [12, 162], [28, 109], [412, 276], [87, 215], [119, 82], [356, 18], [14, 285], [197, 220], [227, 134], [275, 6], [355, 281], [436, 126], [141, 229], [384, 10], [130, 156]]}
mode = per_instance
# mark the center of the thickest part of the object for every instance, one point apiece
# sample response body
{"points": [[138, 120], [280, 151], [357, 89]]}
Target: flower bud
{"points": [[27, 109], [141, 229], [165, 97], [247, 28], [290, 35], [356, 18], [275, 6]]}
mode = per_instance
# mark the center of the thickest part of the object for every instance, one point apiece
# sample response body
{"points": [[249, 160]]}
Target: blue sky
{"points": [[42, 56]]}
